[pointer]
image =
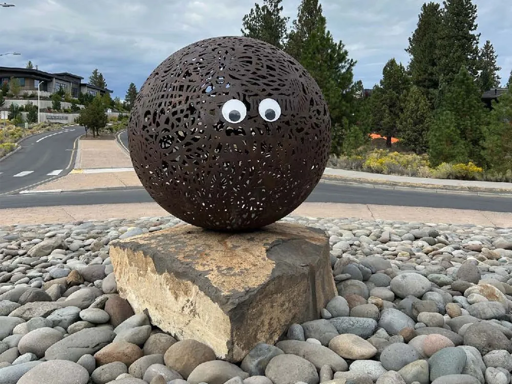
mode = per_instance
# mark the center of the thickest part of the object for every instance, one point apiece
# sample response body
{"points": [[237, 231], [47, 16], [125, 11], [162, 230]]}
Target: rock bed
{"points": [[418, 303]]}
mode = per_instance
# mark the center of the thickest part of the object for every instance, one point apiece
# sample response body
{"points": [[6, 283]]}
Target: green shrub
{"points": [[458, 171]]}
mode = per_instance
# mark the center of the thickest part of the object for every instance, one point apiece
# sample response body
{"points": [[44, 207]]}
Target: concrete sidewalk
{"points": [[101, 154], [65, 214]]}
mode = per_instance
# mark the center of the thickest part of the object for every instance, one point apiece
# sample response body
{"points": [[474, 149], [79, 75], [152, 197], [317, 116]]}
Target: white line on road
{"points": [[45, 191], [53, 134], [24, 173], [102, 170], [54, 173]]}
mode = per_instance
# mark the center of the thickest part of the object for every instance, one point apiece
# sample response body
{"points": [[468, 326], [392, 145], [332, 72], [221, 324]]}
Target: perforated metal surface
{"points": [[229, 133]]}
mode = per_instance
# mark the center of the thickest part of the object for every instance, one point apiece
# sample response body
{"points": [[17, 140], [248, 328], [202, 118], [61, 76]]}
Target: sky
{"points": [[127, 39]]}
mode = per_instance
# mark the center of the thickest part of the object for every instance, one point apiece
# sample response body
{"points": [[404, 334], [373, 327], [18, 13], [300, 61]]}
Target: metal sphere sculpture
{"points": [[229, 134]]}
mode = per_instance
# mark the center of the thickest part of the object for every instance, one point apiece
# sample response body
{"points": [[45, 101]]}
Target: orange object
{"points": [[377, 136]]}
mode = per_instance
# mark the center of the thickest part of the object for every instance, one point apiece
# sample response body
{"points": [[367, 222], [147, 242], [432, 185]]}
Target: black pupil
{"points": [[234, 115], [270, 114]]}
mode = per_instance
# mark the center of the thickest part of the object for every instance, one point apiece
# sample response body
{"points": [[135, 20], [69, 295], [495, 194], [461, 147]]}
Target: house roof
{"points": [[31, 73], [95, 87], [68, 74], [41, 75], [494, 93]]}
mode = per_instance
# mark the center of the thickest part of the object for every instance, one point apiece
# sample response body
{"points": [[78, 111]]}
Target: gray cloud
{"points": [[127, 39]]}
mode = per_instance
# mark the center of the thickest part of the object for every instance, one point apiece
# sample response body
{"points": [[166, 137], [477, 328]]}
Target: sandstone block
{"points": [[229, 291]]}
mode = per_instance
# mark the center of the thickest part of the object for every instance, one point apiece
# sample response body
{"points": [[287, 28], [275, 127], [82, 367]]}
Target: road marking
{"points": [[102, 170], [25, 192], [24, 173], [53, 134], [55, 173]]}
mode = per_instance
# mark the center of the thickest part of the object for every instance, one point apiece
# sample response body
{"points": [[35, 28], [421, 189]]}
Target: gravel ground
{"points": [[418, 303]]}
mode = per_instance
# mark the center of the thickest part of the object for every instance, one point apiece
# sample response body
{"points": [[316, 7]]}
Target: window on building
{"points": [[22, 81]]}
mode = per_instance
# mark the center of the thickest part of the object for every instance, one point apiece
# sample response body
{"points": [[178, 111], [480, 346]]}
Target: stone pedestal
{"points": [[227, 290]]}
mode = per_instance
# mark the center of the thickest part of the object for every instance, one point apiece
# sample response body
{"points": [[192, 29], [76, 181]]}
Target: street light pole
{"points": [[39, 102]]}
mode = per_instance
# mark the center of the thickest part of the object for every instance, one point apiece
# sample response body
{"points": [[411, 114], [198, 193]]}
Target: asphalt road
{"points": [[325, 192], [123, 136], [42, 157]]}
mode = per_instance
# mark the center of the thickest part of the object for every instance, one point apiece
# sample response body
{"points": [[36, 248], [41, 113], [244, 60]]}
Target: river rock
{"points": [[290, 369], [412, 284], [56, 372]]}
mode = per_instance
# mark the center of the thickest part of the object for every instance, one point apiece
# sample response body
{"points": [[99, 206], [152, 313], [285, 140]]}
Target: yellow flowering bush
{"points": [[458, 171], [410, 164]]}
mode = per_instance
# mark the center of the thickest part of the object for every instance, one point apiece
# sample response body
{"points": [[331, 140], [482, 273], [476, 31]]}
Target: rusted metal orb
{"points": [[229, 133]]}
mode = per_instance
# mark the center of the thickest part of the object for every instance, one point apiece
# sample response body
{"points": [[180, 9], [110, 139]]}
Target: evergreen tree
{"points": [[308, 18], [56, 99], [489, 77], [97, 79], [14, 86], [2, 98], [328, 63], [74, 106], [415, 120], [5, 88], [458, 42], [463, 101], [32, 113], [498, 135], [131, 95], [266, 23], [93, 116], [423, 49], [445, 142], [30, 65], [395, 82], [509, 82]]}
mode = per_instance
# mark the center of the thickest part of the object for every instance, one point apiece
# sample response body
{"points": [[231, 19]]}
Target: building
{"points": [[491, 95], [50, 82]]}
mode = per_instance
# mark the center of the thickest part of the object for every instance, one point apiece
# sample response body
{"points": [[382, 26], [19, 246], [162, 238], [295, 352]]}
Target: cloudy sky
{"points": [[127, 39]]}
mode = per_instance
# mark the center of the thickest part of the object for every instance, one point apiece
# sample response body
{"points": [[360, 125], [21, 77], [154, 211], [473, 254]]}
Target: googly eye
{"points": [[269, 110], [234, 111]]}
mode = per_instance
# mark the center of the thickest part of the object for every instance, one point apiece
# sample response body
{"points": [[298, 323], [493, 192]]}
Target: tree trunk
{"points": [[388, 141]]}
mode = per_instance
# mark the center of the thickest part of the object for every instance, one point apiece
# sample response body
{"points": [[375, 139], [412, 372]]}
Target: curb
{"points": [[98, 190], [410, 185], [120, 143]]}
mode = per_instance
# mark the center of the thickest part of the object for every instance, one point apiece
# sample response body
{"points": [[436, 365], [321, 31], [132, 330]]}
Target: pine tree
{"points": [[423, 49], [415, 120], [445, 142], [328, 63], [14, 86], [498, 135], [458, 42], [93, 116], [509, 82], [2, 98], [463, 101], [489, 77], [395, 82], [131, 95], [56, 102], [97, 79], [308, 18], [266, 23], [30, 65]]}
